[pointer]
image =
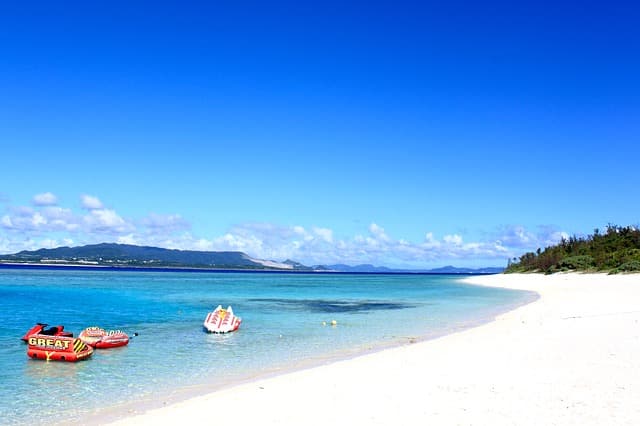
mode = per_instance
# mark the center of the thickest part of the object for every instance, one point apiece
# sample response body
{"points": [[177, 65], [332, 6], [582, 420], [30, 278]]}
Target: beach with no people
{"points": [[570, 357], [333, 172]]}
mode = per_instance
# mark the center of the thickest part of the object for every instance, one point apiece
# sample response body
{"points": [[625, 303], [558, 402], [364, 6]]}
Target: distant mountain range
{"points": [[126, 255], [442, 270]]}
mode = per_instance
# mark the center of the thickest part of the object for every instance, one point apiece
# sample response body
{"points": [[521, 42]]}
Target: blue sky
{"points": [[401, 134]]}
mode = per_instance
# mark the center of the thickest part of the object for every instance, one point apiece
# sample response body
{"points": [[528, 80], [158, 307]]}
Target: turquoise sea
{"points": [[172, 357]]}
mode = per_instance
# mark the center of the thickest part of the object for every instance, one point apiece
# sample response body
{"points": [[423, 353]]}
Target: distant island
{"points": [[616, 250], [132, 256]]}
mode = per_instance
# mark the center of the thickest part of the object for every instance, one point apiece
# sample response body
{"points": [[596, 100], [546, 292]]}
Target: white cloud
{"points": [[45, 224], [106, 220], [45, 199], [59, 218], [6, 221], [325, 234], [127, 239], [518, 237], [378, 232], [184, 241], [45, 219], [25, 220], [274, 242], [37, 220], [24, 211], [239, 242], [555, 238], [17, 245], [202, 244], [55, 212], [26, 224], [91, 203], [165, 223], [430, 243], [49, 243], [455, 239]]}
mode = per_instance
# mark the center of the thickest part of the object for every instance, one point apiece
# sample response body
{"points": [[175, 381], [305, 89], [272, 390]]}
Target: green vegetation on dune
{"points": [[616, 250]]}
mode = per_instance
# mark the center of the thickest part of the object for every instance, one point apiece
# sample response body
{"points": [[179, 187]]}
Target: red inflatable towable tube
{"points": [[57, 348], [91, 335], [100, 338], [113, 339]]}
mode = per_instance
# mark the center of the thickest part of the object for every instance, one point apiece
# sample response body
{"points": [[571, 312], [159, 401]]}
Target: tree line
{"points": [[615, 250]]}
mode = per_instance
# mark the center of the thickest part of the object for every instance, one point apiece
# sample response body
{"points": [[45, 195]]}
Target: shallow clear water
{"points": [[281, 329]]}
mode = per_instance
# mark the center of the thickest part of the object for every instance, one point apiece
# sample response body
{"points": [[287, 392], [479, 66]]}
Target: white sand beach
{"points": [[570, 358]]}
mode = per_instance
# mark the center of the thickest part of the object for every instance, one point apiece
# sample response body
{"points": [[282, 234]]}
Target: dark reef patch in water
{"points": [[334, 306]]}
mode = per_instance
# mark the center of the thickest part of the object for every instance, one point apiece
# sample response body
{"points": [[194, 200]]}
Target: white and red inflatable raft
{"points": [[221, 321], [103, 339]]}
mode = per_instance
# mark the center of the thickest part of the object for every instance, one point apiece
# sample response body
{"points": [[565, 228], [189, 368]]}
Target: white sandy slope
{"points": [[570, 358]]}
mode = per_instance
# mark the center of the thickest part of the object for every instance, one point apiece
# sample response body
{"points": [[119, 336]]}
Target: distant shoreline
{"points": [[128, 255], [72, 266]]}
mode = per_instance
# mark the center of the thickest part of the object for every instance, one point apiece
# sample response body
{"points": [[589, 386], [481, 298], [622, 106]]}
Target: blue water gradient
{"points": [[282, 329]]}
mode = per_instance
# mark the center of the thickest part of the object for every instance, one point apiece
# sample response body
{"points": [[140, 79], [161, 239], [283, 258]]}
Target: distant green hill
{"points": [[111, 254], [617, 250], [130, 255]]}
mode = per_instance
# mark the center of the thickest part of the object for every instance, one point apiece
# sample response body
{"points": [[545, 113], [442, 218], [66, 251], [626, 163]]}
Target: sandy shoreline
{"points": [[571, 357]]}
